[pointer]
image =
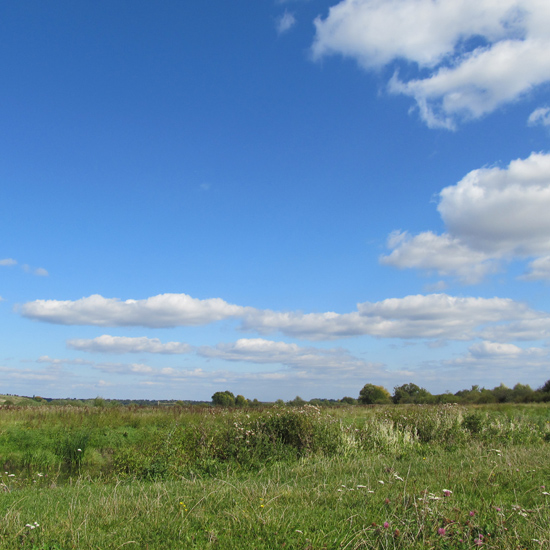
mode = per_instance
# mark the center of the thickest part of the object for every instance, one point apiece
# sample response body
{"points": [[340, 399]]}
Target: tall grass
{"points": [[301, 478]]}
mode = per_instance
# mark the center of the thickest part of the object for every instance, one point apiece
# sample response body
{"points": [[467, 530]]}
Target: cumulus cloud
{"points": [[539, 116], [435, 316], [473, 55], [491, 214], [443, 254], [488, 353], [122, 344], [285, 22], [163, 310], [432, 316]]}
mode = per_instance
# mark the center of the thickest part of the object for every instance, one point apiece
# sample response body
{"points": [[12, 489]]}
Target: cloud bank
{"points": [[432, 316]]}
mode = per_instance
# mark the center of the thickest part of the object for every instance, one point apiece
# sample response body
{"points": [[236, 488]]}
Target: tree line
{"points": [[372, 394]]}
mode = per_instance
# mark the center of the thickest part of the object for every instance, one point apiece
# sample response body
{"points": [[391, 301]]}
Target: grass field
{"points": [[295, 478]]}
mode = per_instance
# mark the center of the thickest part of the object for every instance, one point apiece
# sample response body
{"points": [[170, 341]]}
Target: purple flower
{"points": [[472, 513], [441, 531], [386, 525]]}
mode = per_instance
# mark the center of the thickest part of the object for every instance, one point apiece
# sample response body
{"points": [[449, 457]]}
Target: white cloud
{"points": [[539, 116], [536, 328], [261, 351], [8, 261], [486, 349], [443, 254], [539, 269], [285, 22], [122, 344], [59, 362], [502, 211], [435, 316], [491, 214], [164, 310], [474, 55]]}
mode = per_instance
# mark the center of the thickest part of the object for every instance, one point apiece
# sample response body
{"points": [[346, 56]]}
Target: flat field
{"points": [[406, 477]]}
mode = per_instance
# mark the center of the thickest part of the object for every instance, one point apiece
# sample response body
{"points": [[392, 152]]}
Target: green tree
{"points": [[411, 393], [296, 402], [371, 394], [223, 399], [348, 400], [241, 401]]}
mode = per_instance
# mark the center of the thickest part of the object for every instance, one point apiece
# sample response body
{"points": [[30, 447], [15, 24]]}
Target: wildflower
{"points": [[386, 525], [79, 450], [472, 513], [441, 531], [381, 482], [361, 486], [447, 493]]}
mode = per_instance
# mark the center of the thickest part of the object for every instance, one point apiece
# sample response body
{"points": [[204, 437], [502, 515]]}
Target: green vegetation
{"points": [[407, 476]]}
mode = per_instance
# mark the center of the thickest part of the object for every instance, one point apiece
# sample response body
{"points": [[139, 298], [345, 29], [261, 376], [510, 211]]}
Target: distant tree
{"points": [[371, 394], [545, 387], [411, 393], [486, 396], [503, 393], [296, 402], [241, 401], [99, 402], [223, 399], [254, 403], [348, 400], [522, 393]]}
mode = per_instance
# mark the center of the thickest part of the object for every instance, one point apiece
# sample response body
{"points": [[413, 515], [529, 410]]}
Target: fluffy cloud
{"points": [[164, 310], [122, 344], [443, 254], [435, 316], [491, 214], [475, 54]]}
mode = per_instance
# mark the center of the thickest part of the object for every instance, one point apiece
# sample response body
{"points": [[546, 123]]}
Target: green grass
{"points": [[332, 481]]}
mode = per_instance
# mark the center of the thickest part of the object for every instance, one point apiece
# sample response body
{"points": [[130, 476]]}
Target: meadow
{"points": [[387, 477]]}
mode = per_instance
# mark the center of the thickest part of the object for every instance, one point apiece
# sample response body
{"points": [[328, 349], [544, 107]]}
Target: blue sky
{"points": [[277, 198]]}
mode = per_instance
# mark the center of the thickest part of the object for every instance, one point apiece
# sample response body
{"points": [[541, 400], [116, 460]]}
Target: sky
{"points": [[275, 198]]}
